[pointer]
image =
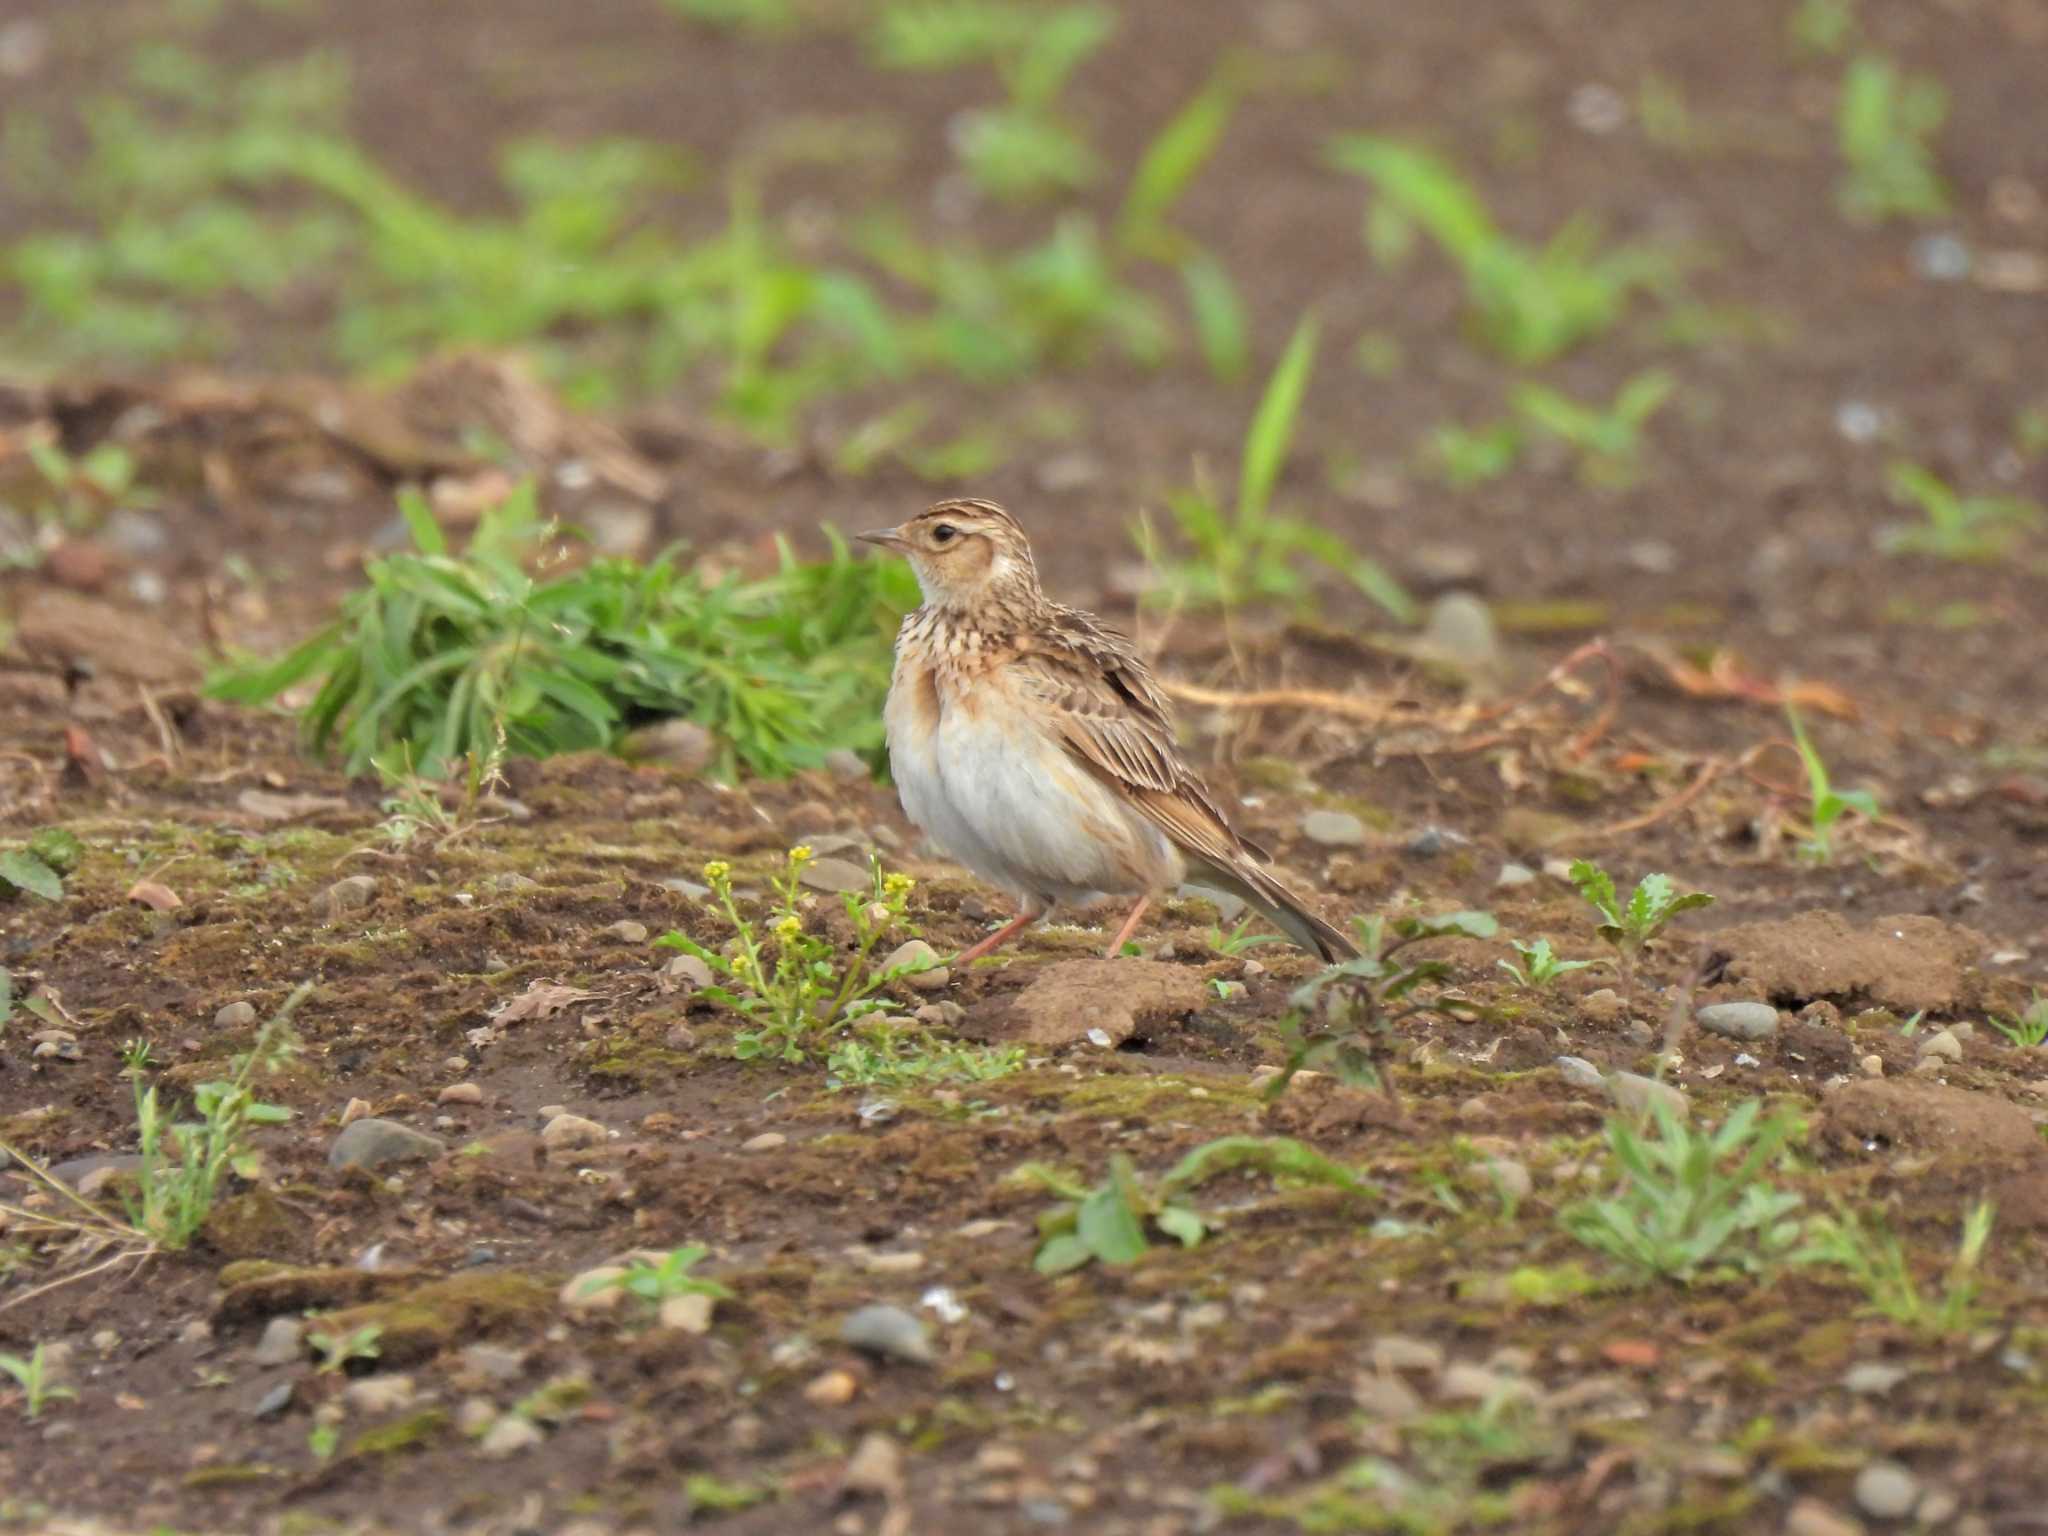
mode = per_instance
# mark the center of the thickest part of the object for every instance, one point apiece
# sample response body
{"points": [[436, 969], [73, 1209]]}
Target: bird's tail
{"points": [[1279, 906]]}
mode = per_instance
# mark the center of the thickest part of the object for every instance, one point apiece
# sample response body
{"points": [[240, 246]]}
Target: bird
{"points": [[1032, 743]]}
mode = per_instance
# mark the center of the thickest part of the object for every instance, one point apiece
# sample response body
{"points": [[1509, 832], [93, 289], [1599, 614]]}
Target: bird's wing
{"points": [[1111, 714]]}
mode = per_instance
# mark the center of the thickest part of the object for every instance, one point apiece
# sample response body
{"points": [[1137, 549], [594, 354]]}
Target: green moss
{"points": [[235, 1475], [408, 1433], [423, 1322], [252, 1225]]}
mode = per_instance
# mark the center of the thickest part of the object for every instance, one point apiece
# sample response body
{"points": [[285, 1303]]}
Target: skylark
{"points": [[1032, 742]]}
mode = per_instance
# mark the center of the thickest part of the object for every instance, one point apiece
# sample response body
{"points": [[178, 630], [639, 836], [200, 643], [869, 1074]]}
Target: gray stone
{"points": [[930, 975], [508, 1437], [626, 931], [75, 1171], [889, 1332], [836, 876], [1635, 1094], [1460, 633], [1873, 1378], [273, 1400], [235, 1016], [512, 881], [1580, 1073], [684, 744], [1944, 1044], [1509, 1177], [351, 894], [689, 888], [283, 1342], [372, 1143], [689, 971], [1333, 829], [1393, 1352], [1886, 1491], [1739, 1021], [1512, 875]]}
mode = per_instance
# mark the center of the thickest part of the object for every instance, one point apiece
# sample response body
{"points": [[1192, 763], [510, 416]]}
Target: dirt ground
{"points": [[1322, 1362]]}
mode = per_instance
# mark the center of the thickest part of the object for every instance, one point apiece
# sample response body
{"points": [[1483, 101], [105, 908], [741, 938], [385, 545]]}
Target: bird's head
{"points": [[965, 553]]}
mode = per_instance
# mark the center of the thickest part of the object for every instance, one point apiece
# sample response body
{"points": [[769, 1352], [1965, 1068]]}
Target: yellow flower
{"points": [[800, 854], [717, 870], [897, 885], [788, 929]]}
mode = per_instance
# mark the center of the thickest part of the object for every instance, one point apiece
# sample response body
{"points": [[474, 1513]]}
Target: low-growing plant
{"points": [[40, 865], [1608, 442], [32, 1375], [1632, 927], [82, 490], [1822, 26], [1872, 1256], [1688, 1201], [440, 656], [888, 1056], [1826, 805], [764, 18], [1530, 303], [1109, 1223], [337, 1351], [1239, 939], [1469, 456], [418, 810], [183, 1162], [807, 991], [1543, 965], [662, 1281], [1953, 526], [1339, 1019], [1250, 552], [2029, 1029], [1885, 123]]}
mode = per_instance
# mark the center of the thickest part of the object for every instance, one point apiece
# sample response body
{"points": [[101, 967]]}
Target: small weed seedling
{"points": [[1885, 123], [1608, 442], [1955, 527], [1469, 456], [2029, 1029], [1874, 1258], [420, 811], [1250, 554], [39, 867], [1108, 1224], [337, 1351], [1632, 928], [183, 1161], [1338, 1019], [1827, 805], [33, 1377], [1544, 967], [1530, 304], [1239, 940], [885, 1056], [82, 491], [1686, 1200], [805, 993], [656, 1283]]}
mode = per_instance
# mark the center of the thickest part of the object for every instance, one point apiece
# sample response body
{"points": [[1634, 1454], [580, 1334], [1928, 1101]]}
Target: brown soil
{"points": [[1271, 1358]]}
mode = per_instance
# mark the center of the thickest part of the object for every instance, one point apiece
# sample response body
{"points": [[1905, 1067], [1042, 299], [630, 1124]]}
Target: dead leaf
{"points": [[1724, 678], [155, 895], [542, 1000]]}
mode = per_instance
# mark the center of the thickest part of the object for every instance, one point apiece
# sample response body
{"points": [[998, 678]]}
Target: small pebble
{"points": [[1886, 1491], [1393, 1352], [380, 1394], [1810, 1517], [834, 1389], [1871, 1066], [1739, 1021], [592, 1291], [510, 1436], [767, 1141], [876, 1466], [626, 931], [283, 1342], [888, 1331], [1944, 1044], [235, 1016], [1580, 1073], [1512, 875], [1873, 1378], [928, 975], [274, 1400], [836, 876], [460, 1093], [689, 971], [346, 895], [1333, 829], [1635, 1094], [1509, 1177], [566, 1133], [688, 1313]]}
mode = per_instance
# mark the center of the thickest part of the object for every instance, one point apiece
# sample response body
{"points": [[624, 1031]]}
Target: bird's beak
{"points": [[888, 538]]}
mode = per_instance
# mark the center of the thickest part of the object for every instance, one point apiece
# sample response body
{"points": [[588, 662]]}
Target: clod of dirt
{"points": [[372, 1143], [1954, 1124], [1905, 963], [65, 631], [1071, 1000]]}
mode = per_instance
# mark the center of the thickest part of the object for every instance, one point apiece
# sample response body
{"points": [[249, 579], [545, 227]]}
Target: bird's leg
{"points": [[999, 938], [1123, 934]]}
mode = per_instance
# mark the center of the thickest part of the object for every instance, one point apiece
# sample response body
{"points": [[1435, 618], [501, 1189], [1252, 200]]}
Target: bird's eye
{"points": [[944, 533]]}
